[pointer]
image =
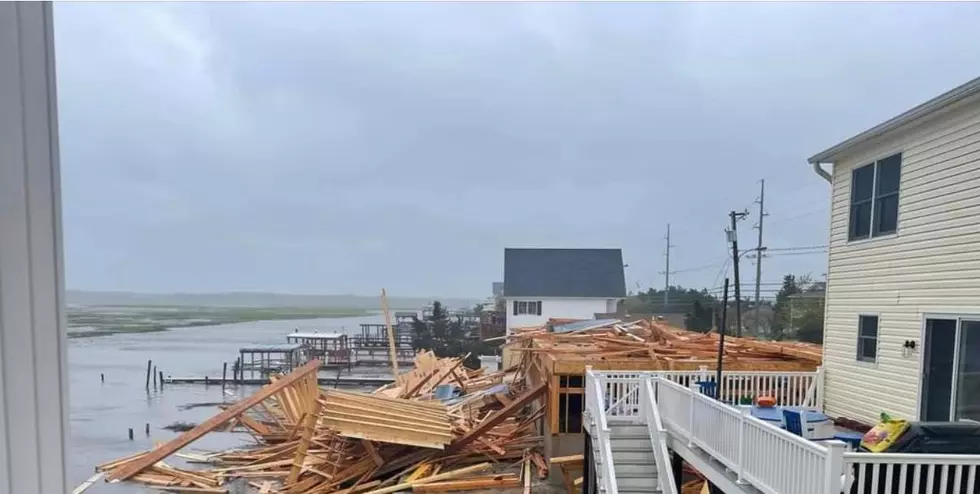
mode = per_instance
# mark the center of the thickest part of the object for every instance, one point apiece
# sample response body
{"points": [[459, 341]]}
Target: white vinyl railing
{"points": [[768, 458], [621, 390], [764, 456], [658, 437], [596, 409], [899, 473]]}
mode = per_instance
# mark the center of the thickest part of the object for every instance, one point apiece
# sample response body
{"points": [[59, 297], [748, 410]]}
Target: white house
{"points": [[540, 284], [902, 330]]}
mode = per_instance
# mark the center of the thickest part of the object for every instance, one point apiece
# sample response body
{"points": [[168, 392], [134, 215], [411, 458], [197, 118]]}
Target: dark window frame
{"points": [[873, 201], [866, 340], [568, 420], [527, 308]]}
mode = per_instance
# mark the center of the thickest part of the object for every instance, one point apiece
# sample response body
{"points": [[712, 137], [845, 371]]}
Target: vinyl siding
{"points": [[931, 266]]}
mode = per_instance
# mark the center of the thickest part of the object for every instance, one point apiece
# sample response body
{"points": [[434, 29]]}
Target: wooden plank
{"points": [[373, 452], [497, 417], [468, 485], [212, 423], [561, 460], [435, 478], [392, 350], [309, 424]]}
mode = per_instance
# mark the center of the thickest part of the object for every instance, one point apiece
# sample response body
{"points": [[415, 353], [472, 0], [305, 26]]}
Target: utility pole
{"points": [[666, 272], [733, 238], [758, 250]]}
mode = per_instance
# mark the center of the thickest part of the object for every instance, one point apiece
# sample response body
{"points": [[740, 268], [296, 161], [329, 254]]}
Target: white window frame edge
{"points": [[921, 345], [865, 363], [874, 189], [33, 346]]}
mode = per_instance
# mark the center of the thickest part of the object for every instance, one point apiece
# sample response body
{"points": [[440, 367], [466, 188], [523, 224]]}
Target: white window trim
{"points": [[858, 337], [874, 189], [33, 346]]}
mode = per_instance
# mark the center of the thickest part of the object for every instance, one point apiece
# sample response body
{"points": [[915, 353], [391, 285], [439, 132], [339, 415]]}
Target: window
{"points": [[527, 308], [874, 198], [571, 404], [867, 348]]}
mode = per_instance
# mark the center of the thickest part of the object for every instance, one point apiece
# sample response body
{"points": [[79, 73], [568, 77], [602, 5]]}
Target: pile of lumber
{"points": [[663, 347], [439, 427]]}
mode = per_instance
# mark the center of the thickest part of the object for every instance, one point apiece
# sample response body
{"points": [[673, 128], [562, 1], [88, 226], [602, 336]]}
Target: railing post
{"points": [[690, 416], [833, 480], [741, 444], [820, 383]]}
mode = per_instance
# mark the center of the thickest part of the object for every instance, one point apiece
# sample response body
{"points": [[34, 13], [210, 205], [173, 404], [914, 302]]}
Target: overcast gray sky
{"points": [[339, 148]]}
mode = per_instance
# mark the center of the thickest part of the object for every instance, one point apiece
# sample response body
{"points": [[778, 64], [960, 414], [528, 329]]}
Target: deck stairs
{"points": [[634, 463]]}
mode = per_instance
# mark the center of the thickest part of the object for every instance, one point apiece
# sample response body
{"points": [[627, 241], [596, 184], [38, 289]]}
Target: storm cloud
{"points": [[342, 147]]}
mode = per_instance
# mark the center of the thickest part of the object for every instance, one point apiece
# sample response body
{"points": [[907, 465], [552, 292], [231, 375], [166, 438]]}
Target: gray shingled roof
{"points": [[564, 273]]}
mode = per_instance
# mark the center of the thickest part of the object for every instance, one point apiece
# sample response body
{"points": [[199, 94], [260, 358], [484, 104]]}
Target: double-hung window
{"points": [[532, 308], [874, 198], [867, 344]]}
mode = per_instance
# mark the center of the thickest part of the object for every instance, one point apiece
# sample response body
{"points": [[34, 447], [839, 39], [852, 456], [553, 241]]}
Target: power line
{"points": [[809, 247], [713, 264]]}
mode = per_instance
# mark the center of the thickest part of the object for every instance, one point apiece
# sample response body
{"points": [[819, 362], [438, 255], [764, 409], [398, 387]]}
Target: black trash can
{"points": [[928, 438]]}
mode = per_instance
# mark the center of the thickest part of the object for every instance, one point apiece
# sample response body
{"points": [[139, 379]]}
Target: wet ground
{"points": [[102, 413]]}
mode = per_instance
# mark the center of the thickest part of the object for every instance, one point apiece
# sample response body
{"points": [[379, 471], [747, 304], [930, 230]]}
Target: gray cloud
{"points": [[343, 147]]}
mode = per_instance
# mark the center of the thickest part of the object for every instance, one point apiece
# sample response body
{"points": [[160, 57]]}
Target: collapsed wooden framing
{"points": [[439, 427]]}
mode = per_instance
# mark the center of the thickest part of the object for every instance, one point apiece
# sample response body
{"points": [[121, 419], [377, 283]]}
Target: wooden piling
{"points": [[130, 433], [161, 380], [147, 429], [154, 377], [206, 382], [149, 365], [103, 378], [224, 375]]}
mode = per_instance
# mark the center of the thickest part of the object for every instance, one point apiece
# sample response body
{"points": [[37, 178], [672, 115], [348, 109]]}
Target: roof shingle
{"points": [[594, 273]]}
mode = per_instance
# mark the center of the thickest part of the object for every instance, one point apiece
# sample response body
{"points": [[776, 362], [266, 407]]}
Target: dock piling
{"points": [[149, 364], [147, 430], [224, 375], [130, 433], [103, 377], [154, 377], [161, 380]]}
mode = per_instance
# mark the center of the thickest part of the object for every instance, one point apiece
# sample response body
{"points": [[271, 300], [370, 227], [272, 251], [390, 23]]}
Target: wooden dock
{"points": [[325, 381]]}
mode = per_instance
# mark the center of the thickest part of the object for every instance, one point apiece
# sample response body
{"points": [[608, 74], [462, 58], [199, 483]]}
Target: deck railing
{"points": [[768, 458], [764, 456], [658, 437], [596, 409], [798, 389], [898, 473]]}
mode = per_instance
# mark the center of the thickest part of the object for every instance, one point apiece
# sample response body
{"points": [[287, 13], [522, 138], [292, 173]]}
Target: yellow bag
{"points": [[884, 434]]}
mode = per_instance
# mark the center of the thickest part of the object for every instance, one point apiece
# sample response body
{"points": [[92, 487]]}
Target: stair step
{"points": [[636, 482], [645, 457], [636, 471], [617, 443]]}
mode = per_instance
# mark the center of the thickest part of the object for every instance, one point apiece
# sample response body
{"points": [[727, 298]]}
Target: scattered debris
{"points": [[180, 426], [439, 427], [209, 404], [648, 345]]}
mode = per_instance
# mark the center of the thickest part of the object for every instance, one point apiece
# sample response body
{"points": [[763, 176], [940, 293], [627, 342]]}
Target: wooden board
{"points": [[213, 423]]}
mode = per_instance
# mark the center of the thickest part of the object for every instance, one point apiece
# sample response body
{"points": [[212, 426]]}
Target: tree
{"points": [[799, 310], [780, 321], [445, 336], [699, 319]]}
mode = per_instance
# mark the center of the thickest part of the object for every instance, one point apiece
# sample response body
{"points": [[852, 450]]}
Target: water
{"points": [[101, 413]]}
